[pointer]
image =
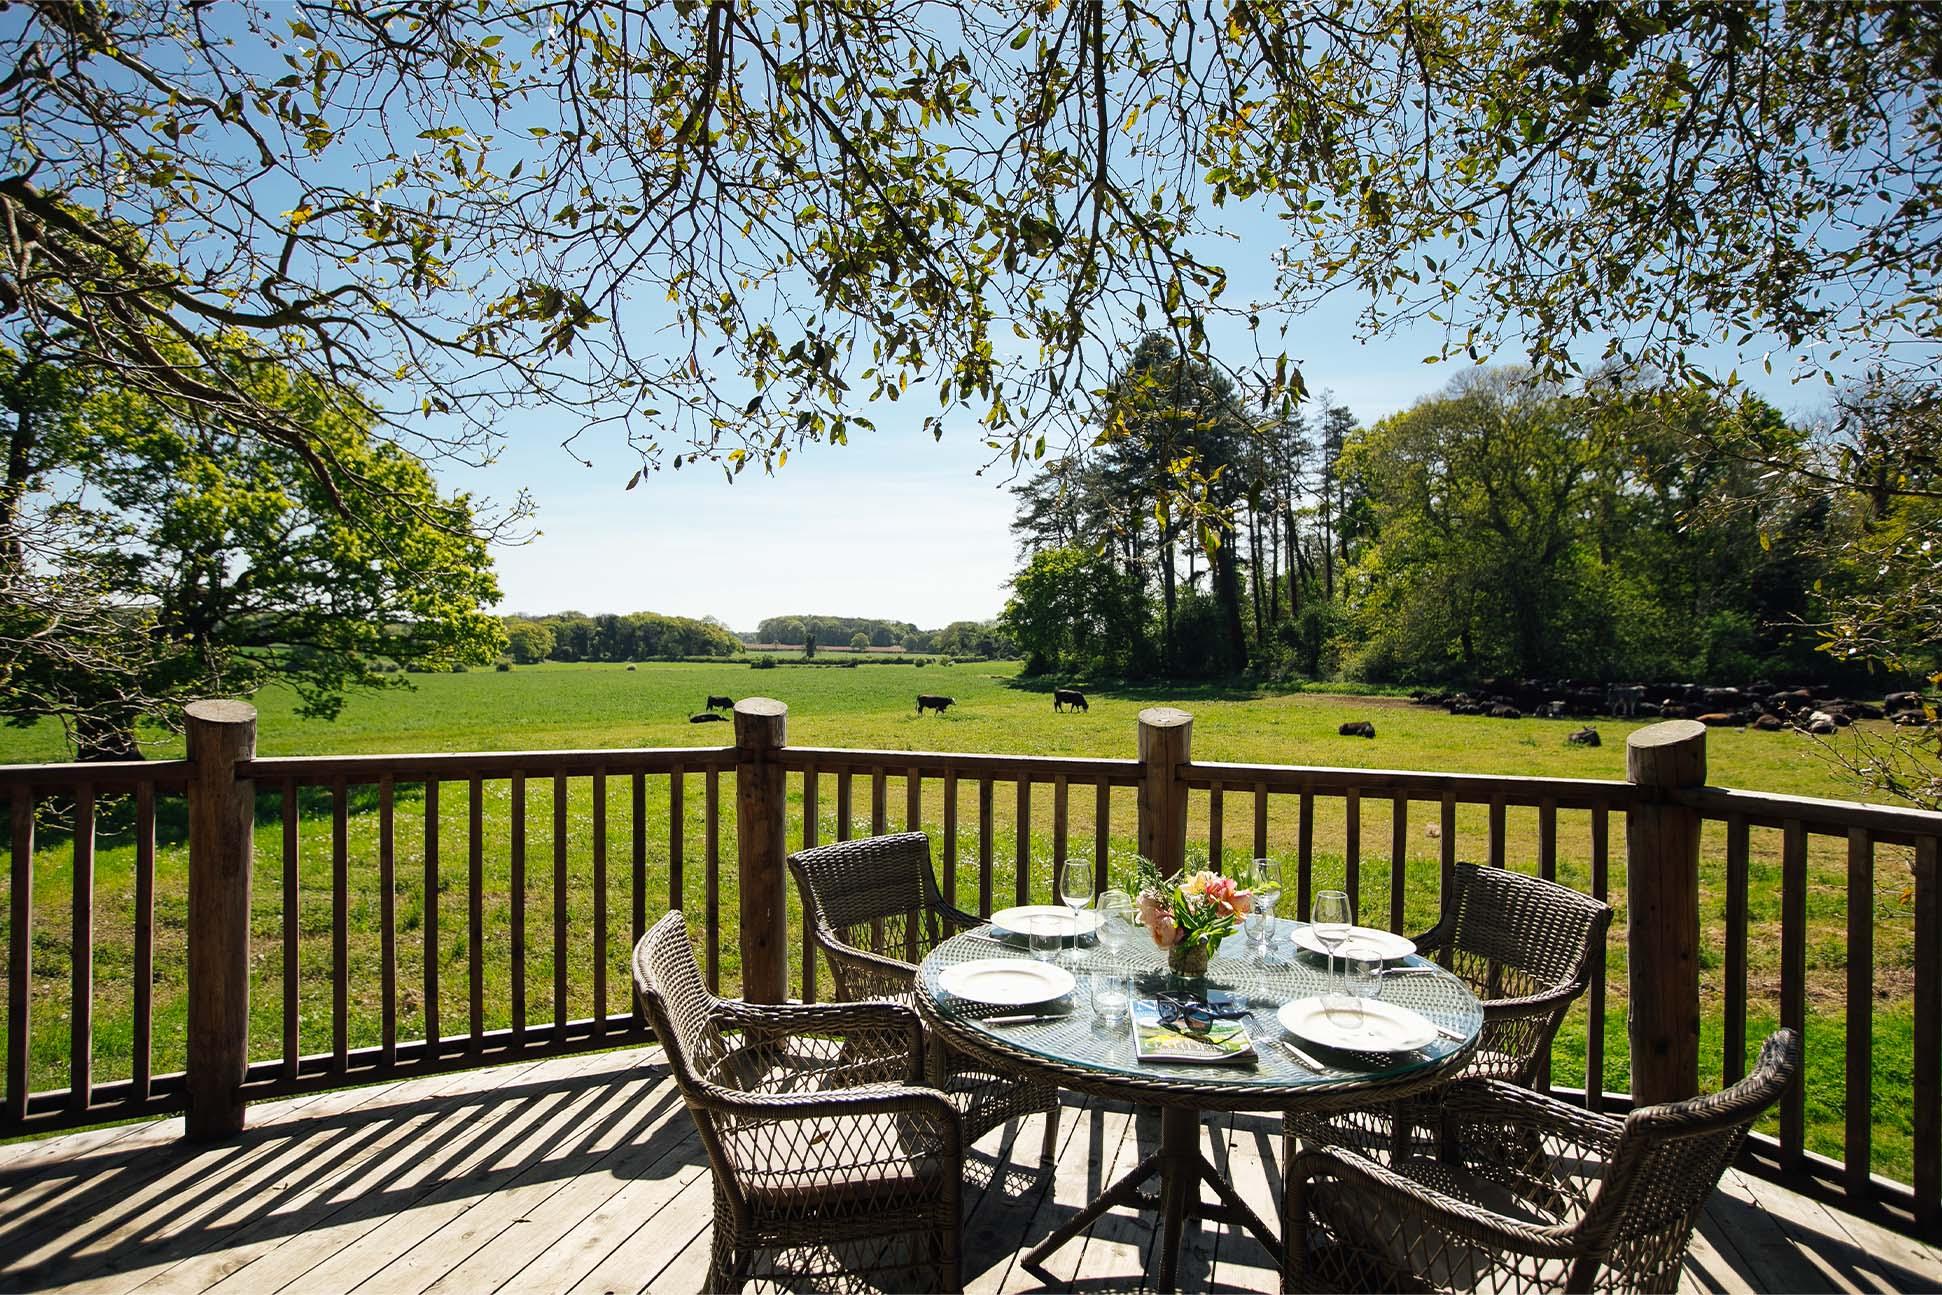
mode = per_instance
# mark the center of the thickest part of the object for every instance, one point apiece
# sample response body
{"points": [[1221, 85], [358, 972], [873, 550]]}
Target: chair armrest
{"points": [[1375, 1191], [1493, 1103], [957, 917], [1517, 1009], [896, 1031], [1541, 1150], [867, 974]]}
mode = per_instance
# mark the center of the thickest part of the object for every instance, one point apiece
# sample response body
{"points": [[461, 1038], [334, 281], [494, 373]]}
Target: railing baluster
{"points": [[431, 918], [809, 779], [677, 837], [144, 938], [340, 927], [516, 922], [879, 806], [984, 847], [1022, 878], [1102, 835], [843, 804], [1215, 828], [1793, 982], [1547, 840], [1601, 866], [811, 832], [1305, 854], [1497, 831], [292, 897], [1927, 1084], [1733, 1045], [638, 790], [951, 837], [81, 954], [600, 900], [1352, 851], [1398, 858], [1058, 827], [1859, 1097], [1447, 829], [561, 893], [20, 952], [387, 923], [475, 905], [913, 800], [712, 789], [1260, 820]]}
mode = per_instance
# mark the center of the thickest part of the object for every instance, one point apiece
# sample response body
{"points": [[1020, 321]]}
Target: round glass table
{"points": [[1065, 1043]]}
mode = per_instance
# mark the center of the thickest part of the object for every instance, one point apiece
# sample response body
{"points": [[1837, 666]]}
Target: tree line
{"points": [[1506, 526], [963, 638], [632, 636]]}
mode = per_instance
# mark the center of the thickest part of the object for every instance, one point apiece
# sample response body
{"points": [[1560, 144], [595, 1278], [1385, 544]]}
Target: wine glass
{"points": [[1333, 918], [1075, 888], [1115, 922]]}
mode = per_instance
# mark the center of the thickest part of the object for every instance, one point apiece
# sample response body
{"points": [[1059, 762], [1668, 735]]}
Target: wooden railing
{"points": [[314, 940]]}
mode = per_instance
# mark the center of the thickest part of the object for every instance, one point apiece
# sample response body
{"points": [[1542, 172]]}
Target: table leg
{"points": [[1179, 1183]]}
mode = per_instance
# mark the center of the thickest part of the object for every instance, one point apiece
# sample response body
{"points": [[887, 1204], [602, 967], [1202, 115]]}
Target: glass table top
{"points": [[1070, 1034]]}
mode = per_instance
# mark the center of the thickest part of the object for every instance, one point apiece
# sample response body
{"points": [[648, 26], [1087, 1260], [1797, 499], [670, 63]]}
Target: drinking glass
{"points": [[1045, 936], [1259, 926], [1333, 918], [1264, 880], [1363, 976], [1075, 888], [1111, 997]]}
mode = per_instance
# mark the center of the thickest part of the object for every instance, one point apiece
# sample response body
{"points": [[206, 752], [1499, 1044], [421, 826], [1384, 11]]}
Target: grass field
{"points": [[561, 706]]}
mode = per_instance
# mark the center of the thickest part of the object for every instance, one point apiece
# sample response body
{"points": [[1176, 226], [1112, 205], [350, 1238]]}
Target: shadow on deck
{"points": [[584, 1174]]}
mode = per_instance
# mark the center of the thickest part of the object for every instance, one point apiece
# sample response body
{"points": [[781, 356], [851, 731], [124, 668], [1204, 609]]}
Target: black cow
{"points": [[1360, 728], [708, 717], [929, 701], [1063, 697], [1586, 736], [720, 703]]}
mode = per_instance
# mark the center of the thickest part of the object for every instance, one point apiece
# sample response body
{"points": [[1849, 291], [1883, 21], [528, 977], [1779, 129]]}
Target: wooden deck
{"points": [[584, 1175]]}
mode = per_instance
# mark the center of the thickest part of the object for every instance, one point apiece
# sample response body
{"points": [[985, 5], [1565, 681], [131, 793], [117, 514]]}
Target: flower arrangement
{"points": [[1190, 914]]}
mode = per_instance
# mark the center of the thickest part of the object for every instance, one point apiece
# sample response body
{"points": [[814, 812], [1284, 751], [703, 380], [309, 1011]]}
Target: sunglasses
{"points": [[1194, 1015]]}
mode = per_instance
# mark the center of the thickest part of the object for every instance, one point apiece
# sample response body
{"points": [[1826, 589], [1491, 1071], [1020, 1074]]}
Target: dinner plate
{"points": [[1006, 982], [1357, 1024], [1067, 921], [1362, 942]]}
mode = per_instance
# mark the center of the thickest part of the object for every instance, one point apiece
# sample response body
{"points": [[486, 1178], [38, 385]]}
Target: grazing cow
{"points": [[1896, 703], [1359, 728], [1719, 719], [1909, 718], [1624, 699], [1063, 697], [720, 703], [708, 717], [930, 701], [1769, 723], [1586, 736], [1501, 711]]}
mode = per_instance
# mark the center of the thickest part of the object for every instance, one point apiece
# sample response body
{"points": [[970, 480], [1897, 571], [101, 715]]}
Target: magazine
{"points": [[1155, 1040]]}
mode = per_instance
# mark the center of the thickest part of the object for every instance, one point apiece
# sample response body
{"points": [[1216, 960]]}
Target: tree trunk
{"points": [[1227, 581], [1254, 568], [1169, 595]]}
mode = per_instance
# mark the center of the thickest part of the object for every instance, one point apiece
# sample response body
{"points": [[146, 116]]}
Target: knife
{"points": [[1020, 1018], [1301, 1056]]}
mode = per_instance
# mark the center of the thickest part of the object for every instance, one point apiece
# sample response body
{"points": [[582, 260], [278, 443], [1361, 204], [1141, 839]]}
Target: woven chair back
{"points": [[876, 893], [1512, 935], [1669, 1161]]}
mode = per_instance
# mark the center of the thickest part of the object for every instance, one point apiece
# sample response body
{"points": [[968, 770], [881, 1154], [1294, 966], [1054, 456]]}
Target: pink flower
{"points": [[1165, 933], [1149, 908]]}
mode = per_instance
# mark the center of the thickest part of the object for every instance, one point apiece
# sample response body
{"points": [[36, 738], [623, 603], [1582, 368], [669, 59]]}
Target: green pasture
{"points": [[873, 706]]}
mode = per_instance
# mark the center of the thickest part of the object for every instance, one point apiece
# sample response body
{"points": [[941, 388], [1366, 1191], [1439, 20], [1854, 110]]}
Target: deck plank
{"points": [[585, 1174]]}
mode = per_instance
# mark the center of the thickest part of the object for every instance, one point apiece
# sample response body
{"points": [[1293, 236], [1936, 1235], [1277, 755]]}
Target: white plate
{"points": [[1020, 921], [1006, 982], [1362, 942], [1362, 1024]]}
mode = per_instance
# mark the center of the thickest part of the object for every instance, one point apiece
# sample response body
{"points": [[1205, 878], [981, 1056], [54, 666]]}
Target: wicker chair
{"points": [[1525, 947], [1542, 1196], [874, 910], [830, 1161]]}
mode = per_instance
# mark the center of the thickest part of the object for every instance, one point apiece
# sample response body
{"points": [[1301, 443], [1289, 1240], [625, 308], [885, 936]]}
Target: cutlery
{"points": [[1302, 1057], [1454, 1036], [1020, 1018]]}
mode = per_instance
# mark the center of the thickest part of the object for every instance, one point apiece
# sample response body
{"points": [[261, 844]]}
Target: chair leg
{"points": [[722, 1268]]}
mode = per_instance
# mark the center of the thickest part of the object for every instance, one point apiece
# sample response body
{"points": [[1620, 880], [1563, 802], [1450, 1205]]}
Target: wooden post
{"points": [[761, 803], [1166, 738], [222, 832], [1662, 910]]}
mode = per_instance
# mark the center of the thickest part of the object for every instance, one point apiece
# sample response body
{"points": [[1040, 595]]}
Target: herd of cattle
{"points": [[1760, 705], [1062, 699]]}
